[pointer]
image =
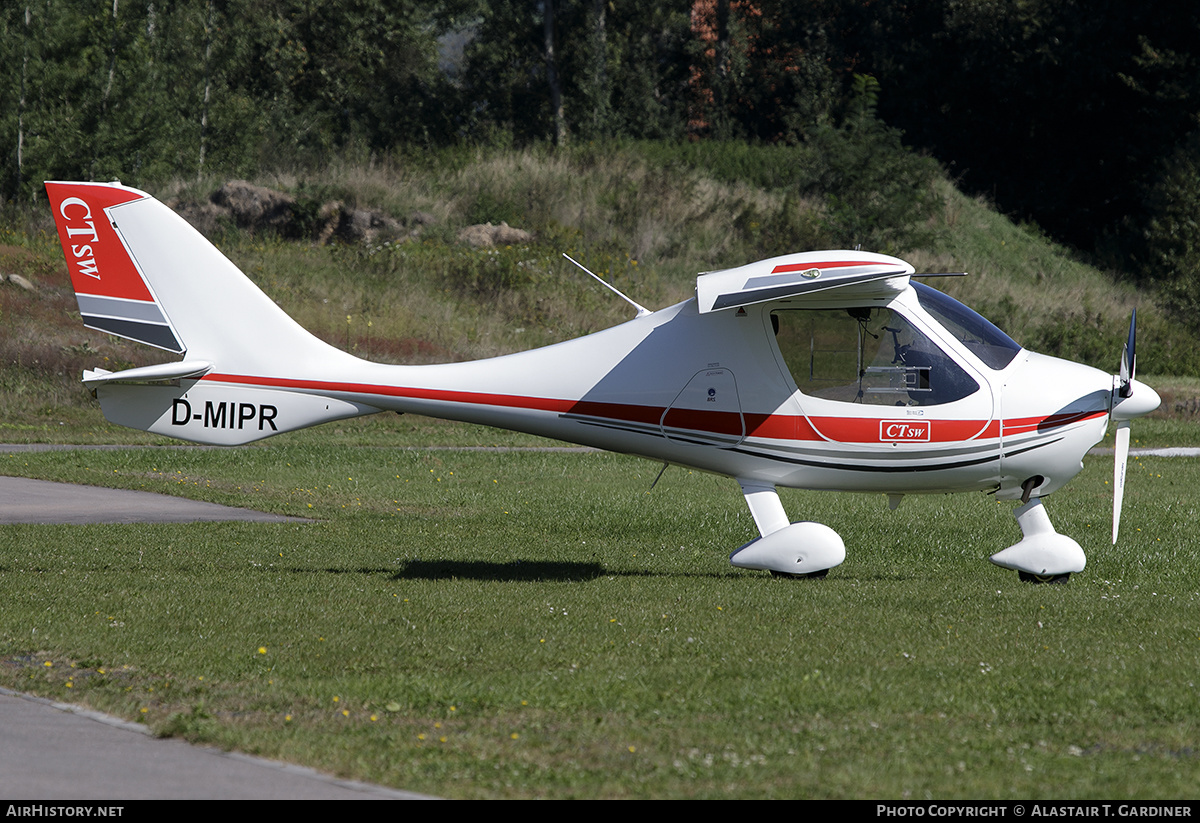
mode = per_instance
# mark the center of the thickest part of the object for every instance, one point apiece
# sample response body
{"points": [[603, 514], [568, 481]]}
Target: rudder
{"points": [[113, 295]]}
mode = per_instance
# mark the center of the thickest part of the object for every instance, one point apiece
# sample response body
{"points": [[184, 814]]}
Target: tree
{"points": [[617, 70], [1171, 234]]}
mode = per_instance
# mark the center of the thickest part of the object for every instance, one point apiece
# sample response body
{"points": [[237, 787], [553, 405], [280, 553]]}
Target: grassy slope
{"points": [[648, 229]]}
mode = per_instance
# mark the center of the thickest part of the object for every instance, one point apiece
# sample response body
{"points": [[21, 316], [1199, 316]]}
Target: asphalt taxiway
{"points": [[39, 501], [52, 751]]}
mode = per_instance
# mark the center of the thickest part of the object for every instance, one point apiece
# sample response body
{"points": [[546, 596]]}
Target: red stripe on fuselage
{"points": [[866, 429], [769, 426], [474, 398], [1024, 425]]}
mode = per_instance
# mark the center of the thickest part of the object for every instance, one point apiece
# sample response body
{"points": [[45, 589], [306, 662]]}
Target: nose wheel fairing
{"points": [[1042, 552]]}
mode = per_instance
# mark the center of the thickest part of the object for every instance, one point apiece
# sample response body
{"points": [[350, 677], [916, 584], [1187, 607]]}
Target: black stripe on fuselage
{"points": [[929, 467]]}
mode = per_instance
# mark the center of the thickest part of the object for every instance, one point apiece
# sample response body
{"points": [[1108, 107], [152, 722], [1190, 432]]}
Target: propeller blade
{"points": [[1129, 359], [1122, 457]]}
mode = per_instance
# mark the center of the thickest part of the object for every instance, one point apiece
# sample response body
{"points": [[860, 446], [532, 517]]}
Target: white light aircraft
{"points": [[821, 370]]}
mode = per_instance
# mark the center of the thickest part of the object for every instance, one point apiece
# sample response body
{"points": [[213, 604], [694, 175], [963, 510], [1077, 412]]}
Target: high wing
{"points": [[860, 274]]}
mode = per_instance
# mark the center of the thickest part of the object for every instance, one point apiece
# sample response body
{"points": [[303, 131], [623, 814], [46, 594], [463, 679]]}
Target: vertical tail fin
{"points": [[141, 272], [113, 295]]}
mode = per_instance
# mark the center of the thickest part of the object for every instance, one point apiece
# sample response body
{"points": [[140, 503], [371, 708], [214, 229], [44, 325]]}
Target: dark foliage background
{"points": [[1081, 117]]}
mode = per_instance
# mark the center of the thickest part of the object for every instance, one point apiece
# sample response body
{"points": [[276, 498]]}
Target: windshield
{"points": [[995, 348]]}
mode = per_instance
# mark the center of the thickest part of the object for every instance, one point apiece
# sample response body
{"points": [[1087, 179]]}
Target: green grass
{"points": [[530, 624]]}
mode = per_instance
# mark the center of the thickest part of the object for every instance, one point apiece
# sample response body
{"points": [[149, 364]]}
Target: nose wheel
{"points": [[821, 575], [1038, 579]]}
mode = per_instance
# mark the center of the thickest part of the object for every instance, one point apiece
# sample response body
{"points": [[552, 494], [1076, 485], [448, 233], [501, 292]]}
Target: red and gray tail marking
{"points": [[113, 294]]}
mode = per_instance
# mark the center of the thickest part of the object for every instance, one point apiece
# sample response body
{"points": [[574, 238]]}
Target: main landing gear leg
{"points": [[1043, 555], [785, 549]]}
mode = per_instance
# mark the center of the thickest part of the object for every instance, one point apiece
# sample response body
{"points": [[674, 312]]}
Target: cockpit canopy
{"points": [[877, 356]]}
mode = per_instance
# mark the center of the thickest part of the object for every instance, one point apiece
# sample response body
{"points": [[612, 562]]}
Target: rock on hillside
{"points": [[485, 235], [263, 210]]}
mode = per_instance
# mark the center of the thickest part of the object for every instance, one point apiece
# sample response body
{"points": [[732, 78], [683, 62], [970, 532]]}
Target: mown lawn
{"points": [[542, 624]]}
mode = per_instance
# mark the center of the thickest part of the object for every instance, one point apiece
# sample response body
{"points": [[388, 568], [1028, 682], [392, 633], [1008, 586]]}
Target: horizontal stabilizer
{"points": [[148, 374], [862, 274]]}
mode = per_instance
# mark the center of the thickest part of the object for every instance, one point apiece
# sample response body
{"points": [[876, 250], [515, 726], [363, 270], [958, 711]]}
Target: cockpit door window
{"points": [[867, 356]]}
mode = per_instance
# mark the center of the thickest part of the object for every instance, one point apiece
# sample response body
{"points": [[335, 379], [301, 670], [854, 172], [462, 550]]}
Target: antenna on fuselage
{"points": [[641, 310]]}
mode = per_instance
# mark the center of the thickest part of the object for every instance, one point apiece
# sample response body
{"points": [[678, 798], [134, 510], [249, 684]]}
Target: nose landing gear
{"points": [[1043, 555]]}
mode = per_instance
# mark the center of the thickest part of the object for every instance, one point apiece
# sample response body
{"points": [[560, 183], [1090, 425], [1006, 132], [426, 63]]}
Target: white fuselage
{"points": [[711, 392]]}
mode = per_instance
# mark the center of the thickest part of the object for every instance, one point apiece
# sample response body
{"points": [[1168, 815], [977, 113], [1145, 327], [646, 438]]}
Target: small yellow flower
{"points": [[262, 649]]}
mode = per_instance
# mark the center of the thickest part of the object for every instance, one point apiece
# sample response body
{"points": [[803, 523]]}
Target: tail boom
{"points": [[250, 371], [202, 411]]}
